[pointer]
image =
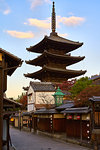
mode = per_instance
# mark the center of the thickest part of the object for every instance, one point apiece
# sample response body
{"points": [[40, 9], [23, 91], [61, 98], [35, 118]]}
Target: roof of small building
{"points": [[27, 113], [95, 77], [68, 104], [95, 99], [8, 103], [46, 111], [42, 86], [78, 110]]}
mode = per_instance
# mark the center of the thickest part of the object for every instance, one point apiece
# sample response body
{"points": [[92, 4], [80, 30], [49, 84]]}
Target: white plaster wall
{"points": [[30, 107], [30, 103], [46, 96]]}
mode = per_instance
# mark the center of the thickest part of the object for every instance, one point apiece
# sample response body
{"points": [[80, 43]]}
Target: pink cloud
{"points": [[21, 35]]}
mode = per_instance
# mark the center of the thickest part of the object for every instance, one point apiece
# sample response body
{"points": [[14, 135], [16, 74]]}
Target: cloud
{"points": [[71, 21], [39, 23], [4, 8], [63, 34], [35, 3], [46, 24], [21, 35], [48, 1], [7, 11]]}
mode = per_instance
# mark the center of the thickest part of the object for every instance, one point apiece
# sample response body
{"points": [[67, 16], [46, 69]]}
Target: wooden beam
{"points": [[8, 105], [1, 100]]}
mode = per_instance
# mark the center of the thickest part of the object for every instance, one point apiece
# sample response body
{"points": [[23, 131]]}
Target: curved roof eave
{"points": [[41, 46], [73, 73], [69, 60]]}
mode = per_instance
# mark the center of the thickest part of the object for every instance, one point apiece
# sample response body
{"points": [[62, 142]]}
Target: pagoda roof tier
{"points": [[55, 72], [64, 59], [54, 42]]}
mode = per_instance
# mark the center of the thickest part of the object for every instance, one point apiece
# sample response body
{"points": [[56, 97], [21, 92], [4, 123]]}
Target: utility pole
{"points": [[1, 98]]}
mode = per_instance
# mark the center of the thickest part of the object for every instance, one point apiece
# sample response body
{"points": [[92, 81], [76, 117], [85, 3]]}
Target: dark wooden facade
{"points": [[78, 129], [59, 123], [95, 101], [43, 124], [76, 125], [48, 121]]}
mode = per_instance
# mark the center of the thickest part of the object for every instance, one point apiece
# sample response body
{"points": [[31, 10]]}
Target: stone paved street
{"points": [[24, 140]]}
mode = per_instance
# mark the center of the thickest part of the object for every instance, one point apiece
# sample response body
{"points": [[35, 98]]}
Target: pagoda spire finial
{"points": [[53, 19]]}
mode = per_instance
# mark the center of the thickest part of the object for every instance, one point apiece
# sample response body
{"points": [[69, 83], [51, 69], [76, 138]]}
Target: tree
{"points": [[80, 84], [23, 100], [66, 85], [82, 98]]}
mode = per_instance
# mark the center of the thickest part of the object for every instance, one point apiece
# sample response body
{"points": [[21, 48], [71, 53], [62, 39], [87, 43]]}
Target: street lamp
{"points": [[58, 97]]}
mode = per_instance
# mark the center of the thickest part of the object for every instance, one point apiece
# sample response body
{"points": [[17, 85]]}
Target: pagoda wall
{"points": [[54, 64], [54, 51], [53, 78]]}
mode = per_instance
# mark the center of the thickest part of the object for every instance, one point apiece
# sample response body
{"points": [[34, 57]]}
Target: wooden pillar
{"points": [[1, 98], [52, 123], [8, 133], [81, 127], [93, 114]]}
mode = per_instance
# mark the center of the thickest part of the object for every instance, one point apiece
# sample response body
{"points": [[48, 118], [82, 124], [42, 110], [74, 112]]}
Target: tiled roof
{"points": [[78, 110], [46, 111], [69, 104], [42, 86], [95, 99], [65, 59], [59, 72], [95, 77], [11, 102], [61, 44]]}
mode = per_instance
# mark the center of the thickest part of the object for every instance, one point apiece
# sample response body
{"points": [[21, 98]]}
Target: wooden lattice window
{"points": [[97, 119]]}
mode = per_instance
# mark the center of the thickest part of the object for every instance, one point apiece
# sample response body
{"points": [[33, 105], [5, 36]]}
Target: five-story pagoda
{"points": [[54, 57]]}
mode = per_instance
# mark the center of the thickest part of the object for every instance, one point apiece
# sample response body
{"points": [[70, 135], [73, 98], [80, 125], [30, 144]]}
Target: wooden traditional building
{"points": [[49, 120], [9, 108], [39, 95], [95, 79], [78, 123], [72, 123], [54, 57], [95, 101], [8, 64]]}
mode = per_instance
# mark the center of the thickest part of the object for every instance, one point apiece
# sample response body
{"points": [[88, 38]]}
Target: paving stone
{"points": [[23, 140]]}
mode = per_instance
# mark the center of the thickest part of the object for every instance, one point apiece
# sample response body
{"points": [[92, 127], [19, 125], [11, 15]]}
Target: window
{"points": [[30, 97]]}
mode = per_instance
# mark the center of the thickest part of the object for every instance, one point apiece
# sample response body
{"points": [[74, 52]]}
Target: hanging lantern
{"points": [[78, 117], [58, 97], [0, 56], [70, 117], [12, 119]]}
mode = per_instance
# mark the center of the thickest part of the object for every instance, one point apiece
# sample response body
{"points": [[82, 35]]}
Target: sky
{"points": [[24, 23]]}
